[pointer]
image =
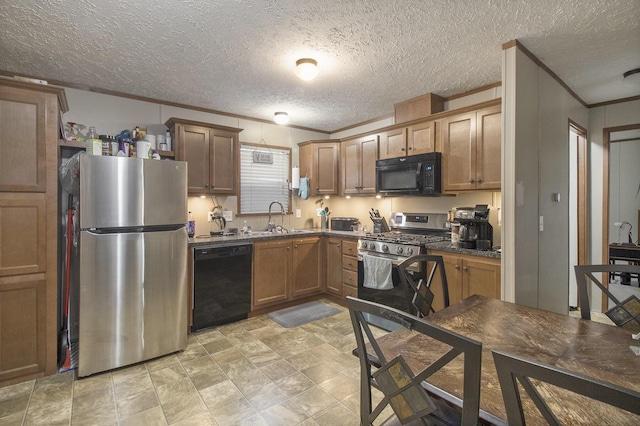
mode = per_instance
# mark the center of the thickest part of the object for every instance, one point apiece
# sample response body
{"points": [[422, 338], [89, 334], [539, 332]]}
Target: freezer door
{"points": [[133, 298], [120, 192]]}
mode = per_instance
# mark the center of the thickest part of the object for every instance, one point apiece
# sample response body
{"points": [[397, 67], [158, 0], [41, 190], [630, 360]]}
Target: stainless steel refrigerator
{"points": [[133, 261]]}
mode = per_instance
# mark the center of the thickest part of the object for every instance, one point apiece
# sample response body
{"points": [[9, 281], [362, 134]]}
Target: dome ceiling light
{"points": [[281, 117], [306, 69]]}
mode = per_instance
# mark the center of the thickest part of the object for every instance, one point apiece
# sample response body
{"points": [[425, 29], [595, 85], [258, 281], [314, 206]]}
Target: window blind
{"points": [[262, 182]]}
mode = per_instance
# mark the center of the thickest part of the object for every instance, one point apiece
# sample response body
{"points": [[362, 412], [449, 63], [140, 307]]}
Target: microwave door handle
{"points": [[418, 180]]}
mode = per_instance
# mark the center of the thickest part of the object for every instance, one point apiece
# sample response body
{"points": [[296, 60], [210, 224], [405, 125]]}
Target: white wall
{"points": [[536, 165]]}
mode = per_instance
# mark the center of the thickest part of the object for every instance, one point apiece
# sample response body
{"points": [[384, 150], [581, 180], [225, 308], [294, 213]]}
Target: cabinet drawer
{"points": [[348, 290], [349, 248], [350, 263], [350, 277]]}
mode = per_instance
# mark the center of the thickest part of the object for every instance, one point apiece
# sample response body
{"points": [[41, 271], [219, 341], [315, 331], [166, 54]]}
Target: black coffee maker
{"points": [[475, 230]]}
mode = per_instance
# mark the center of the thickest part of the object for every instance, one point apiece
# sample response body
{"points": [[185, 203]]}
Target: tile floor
{"points": [[252, 372]]}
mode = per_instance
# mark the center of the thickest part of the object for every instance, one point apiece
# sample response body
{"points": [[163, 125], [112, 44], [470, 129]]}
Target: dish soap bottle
{"points": [[191, 226]]}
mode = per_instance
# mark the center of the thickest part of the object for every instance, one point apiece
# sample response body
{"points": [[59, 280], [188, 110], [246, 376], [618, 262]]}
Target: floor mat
{"points": [[301, 314]]}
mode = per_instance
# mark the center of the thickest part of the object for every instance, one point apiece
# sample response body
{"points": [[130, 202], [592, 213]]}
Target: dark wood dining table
{"points": [[597, 350]]}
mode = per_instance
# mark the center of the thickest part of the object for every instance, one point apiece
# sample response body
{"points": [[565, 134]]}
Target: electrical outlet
{"points": [[298, 213], [228, 215], [210, 217]]}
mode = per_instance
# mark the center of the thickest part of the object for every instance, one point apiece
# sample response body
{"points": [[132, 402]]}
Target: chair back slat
{"points": [[403, 388]]}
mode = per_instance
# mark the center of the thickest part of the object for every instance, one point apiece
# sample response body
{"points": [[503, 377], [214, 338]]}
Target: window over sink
{"points": [[264, 177]]}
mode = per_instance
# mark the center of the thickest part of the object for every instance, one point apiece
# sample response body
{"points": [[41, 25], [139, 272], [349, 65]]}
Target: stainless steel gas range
{"points": [[379, 255]]}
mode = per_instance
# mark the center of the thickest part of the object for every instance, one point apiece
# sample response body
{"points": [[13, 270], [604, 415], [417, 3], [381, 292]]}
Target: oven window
{"points": [[399, 179]]}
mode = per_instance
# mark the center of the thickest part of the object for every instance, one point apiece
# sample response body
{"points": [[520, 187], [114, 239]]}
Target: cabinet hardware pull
{"points": [[471, 181], [402, 149], [457, 267], [479, 181], [410, 148], [338, 245], [465, 269], [206, 185]]}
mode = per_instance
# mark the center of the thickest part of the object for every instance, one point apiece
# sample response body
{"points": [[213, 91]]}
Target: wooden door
{"points": [[368, 155], [271, 272], [306, 278], [489, 148], [481, 277], [193, 147], [350, 158], [421, 138], [393, 143], [326, 168], [333, 265], [223, 162], [459, 152]]}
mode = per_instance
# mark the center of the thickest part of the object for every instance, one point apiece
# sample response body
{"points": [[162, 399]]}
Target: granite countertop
{"points": [[447, 246], [206, 240]]}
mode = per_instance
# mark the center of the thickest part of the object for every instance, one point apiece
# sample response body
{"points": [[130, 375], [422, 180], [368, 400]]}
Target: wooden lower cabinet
{"points": [[466, 276], [286, 269], [333, 265], [349, 268], [341, 264]]}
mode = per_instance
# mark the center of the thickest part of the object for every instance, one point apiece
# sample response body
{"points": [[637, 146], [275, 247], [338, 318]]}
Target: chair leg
{"points": [[365, 396]]}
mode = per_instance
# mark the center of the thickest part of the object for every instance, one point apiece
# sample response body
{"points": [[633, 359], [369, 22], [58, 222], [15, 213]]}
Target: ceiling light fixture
{"points": [[306, 69], [281, 117]]}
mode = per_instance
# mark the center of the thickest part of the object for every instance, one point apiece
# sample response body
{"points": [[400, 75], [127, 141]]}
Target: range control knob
{"points": [[410, 251], [400, 250], [385, 248], [372, 246]]}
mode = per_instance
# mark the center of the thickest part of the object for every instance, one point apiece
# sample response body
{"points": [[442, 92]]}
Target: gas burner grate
{"points": [[402, 238]]}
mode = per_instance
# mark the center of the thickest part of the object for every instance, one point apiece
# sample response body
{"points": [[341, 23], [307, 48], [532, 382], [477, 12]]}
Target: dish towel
{"points": [[304, 188], [377, 272]]}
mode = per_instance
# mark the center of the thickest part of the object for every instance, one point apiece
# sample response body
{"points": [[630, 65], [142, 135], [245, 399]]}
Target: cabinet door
{"points": [[489, 148], [334, 265], [194, 149], [459, 152], [271, 272], [23, 326], [306, 262], [421, 138], [23, 234], [368, 155], [350, 157], [223, 162], [326, 169], [23, 140], [481, 277], [393, 144]]}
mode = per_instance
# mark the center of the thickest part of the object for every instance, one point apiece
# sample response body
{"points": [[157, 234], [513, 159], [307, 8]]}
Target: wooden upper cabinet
{"points": [[319, 162], [359, 165], [416, 139], [212, 154], [471, 150]]}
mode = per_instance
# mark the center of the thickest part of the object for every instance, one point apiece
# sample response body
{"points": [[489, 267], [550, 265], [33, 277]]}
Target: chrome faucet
{"points": [[271, 227]]}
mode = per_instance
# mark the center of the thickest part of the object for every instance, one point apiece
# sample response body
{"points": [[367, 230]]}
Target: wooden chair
{"points": [[623, 314], [403, 389], [417, 282], [513, 369]]}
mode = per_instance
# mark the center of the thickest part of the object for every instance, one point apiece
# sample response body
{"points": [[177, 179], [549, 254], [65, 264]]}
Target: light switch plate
{"points": [[228, 215], [209, 216], [298, 213]]}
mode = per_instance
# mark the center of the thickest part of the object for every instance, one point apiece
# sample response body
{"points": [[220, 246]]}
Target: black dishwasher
{"points": [[221, 284]]}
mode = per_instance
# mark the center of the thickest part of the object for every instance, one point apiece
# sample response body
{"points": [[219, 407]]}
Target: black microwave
{"points": [[413, 175]]}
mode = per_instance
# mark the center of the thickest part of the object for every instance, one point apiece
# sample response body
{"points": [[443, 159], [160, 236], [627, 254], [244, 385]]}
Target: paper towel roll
{"points": [[295, 178]]}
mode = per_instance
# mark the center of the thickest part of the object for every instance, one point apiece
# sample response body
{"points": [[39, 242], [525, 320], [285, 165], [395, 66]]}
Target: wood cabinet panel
{"points": [[467, 275], [212, 153], [307, 267], [350, 247], [23, 140], [348, 290], [23, 240], [393, 143], [319, 162], [29, 136], [350, 278], [358, 159], [271, 272], [471, 145], [350, 263], [421, 138], [333, 265], [21, 351]]}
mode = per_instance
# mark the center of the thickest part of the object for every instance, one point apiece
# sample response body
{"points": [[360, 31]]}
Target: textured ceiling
{"points": [[238, 56]]}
